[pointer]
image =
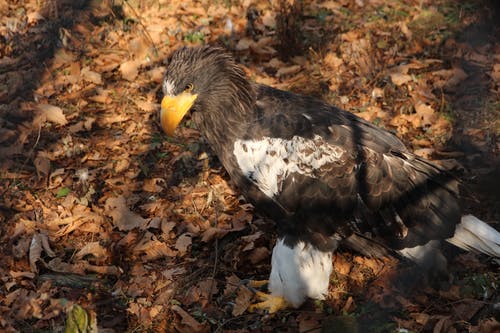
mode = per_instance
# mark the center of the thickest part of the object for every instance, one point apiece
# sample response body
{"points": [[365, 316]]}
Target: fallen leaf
{"points": [[243, 300], [269, 19], [42, 165], [171, 272], [424, 152], [91, 76], [332, 61], [427, 115], [287, 71], [130, 69], [232, 284], [183, 243], [34, 17], [52, 113], [309, 323], [400, 79], [258, 254], [189, 321], [490, 325], [45, 245], [244, 44], [341, 265], [442, 325], [35, 252], [213, 233], [93, 248], [156, 74], [123, 218], [147, 106], [101, 96], [153, 248]]}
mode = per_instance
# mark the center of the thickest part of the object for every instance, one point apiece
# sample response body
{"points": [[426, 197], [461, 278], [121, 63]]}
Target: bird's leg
{"points": [[270, 303]]}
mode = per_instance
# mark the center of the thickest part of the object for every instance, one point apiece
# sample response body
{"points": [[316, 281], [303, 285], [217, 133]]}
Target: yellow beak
{"points": [[173, 110]]}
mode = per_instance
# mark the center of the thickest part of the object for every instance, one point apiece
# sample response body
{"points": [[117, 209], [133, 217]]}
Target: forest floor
{"points": [[107, 224]]}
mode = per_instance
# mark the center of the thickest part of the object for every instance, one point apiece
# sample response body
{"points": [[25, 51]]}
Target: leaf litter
{"points": [[110, 225]]}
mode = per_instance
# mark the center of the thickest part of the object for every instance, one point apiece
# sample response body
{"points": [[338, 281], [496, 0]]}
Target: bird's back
{"points": [[321, 171]]}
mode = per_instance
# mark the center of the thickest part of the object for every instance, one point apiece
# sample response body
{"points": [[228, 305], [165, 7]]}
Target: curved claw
{"points": [[269, 303], [257, 283]]}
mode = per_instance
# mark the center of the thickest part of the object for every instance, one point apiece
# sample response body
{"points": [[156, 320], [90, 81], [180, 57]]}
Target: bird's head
{"points": [[204, 79]]}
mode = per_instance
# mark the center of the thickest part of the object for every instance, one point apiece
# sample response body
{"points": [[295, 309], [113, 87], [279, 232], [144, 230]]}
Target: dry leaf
{"points": [[130, 69], [490, 325], [101, 96], [35, 252], [171, 272], [342, 265], [495, 73], [424, 152], [147, 106], [400, 79], [93, 248], [15, 275], [156, 74], [52, 113], [189, 321], [427, 115], [442, 325], [153, 248], [183, 243], [258, 254], [167, 226], [122, 164], [287, 71], [42, 165], [138, 47], [232, 284], [310, 323], [243, 300], [34, 17], [332, 61], [46, 246], [269, 19], [244, 44], [123, 218], [91, 76], [212, 233]]}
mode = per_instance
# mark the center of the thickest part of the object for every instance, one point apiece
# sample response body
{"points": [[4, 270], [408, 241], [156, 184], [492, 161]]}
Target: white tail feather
{"points": [[472, 234]]}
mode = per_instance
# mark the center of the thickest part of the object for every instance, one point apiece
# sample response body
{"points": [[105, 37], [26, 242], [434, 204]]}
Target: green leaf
{"points": [[77, 320], [63, 191]]}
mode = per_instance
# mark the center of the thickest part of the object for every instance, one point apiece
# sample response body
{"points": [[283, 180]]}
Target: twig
{"points": [[143, 26]]}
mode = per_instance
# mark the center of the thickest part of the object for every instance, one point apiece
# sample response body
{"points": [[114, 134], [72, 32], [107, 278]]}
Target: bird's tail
{"points": [[472, 234]]}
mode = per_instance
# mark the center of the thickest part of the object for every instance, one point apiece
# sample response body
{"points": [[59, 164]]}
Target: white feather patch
{"points": [[168, 88], [299, 272], [268, 161], [420, 253], [472, 234]]}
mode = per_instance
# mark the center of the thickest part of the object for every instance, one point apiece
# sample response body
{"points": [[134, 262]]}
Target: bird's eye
{"points": [[189, 87]]}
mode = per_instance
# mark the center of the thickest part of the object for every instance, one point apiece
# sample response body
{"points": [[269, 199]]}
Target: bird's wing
{"points": [[327, 167]]}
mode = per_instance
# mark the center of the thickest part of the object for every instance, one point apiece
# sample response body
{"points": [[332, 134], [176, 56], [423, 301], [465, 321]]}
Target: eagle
{"points": [[325, 176]]}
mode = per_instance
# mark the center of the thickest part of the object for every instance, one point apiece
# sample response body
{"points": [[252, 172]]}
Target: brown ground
{"points": [[111, 225]]}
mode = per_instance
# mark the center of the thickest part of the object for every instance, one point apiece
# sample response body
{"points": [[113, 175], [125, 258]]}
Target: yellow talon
{"points": [[257, 283], [270, 303]]}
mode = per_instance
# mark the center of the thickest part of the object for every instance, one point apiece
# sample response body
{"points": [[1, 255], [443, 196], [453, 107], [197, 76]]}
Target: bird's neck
{"points": [[227, 115]]}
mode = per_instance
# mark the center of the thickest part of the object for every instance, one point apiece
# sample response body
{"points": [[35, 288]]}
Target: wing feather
{"points": [[334, 167]]}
